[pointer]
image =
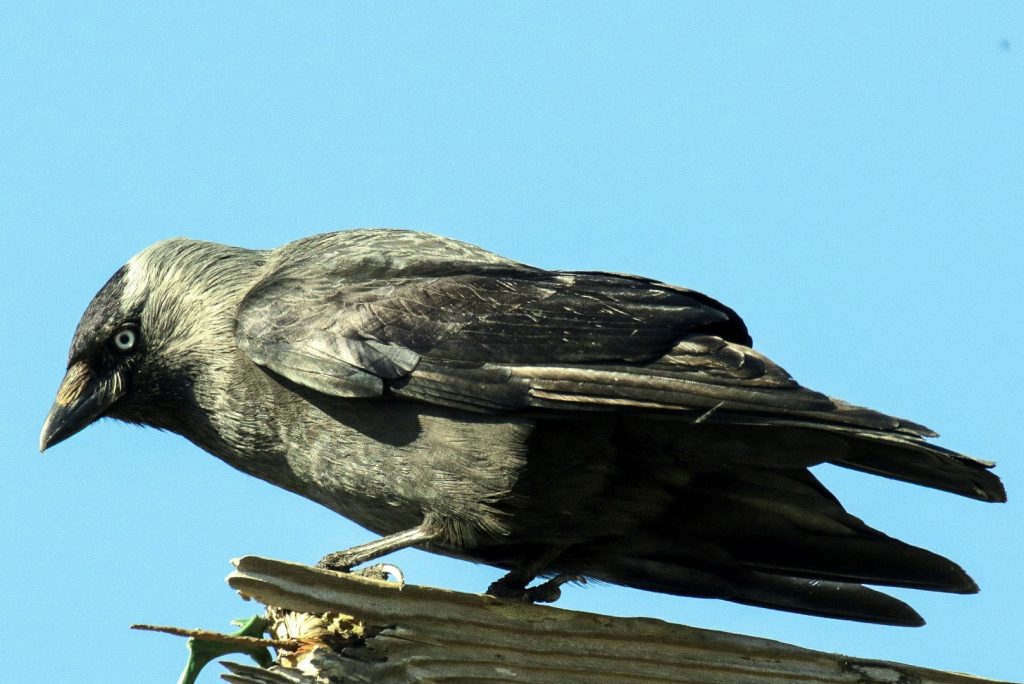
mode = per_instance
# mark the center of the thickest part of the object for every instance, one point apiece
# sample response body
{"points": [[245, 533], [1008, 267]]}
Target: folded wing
{"points": [[492, 336]]}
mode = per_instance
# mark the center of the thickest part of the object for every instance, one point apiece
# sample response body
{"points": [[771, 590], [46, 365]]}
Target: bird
{"points": [[557, 425]]}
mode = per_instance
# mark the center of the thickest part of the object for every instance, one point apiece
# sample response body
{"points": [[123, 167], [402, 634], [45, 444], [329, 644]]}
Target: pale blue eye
{"points": [[124, 339]]}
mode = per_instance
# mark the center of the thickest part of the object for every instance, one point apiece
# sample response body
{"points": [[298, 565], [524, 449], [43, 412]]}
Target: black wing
{"points": [[497, 336], [516, 340]]}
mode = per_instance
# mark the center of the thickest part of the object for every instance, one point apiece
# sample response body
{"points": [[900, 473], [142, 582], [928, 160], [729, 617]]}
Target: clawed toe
{"points": [[342, 562], [383, 572]]}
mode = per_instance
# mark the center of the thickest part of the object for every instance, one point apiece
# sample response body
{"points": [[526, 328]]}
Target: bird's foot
{"points": [[382, 572], [545, 592], [342, 561]]}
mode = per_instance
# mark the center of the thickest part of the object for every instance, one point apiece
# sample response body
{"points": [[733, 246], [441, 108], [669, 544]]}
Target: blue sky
{"points": [[847, 176]]}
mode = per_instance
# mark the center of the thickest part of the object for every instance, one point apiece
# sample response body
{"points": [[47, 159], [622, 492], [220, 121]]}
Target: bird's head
{"points": [[153, 330]]}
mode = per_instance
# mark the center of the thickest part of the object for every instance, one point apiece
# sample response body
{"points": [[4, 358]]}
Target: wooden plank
{"points": [[417, 634]]}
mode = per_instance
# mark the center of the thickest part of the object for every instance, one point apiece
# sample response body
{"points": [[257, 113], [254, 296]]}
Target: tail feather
{"points": [[900, 453], [916, 461], [774, 538], [827, 599], [725, 506], [779, 522], [839, 600]]}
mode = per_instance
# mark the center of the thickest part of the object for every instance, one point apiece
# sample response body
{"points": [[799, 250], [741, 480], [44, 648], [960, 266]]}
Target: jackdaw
{"points": [[555, 424]]}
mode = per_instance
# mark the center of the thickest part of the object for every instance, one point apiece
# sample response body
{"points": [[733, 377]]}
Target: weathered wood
{"points": [[420, 634]]}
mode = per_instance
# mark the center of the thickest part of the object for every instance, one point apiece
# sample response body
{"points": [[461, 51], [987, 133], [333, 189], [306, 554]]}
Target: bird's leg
{"points": [[344, 561], [513, 585]]}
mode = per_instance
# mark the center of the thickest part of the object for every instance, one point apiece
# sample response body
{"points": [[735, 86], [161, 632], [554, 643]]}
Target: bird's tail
{"points": [[860, 439], [841, 600], [775, 538]]}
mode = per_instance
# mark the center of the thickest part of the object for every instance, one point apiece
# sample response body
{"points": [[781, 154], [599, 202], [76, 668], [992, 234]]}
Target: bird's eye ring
{"points": [[124, 339]]}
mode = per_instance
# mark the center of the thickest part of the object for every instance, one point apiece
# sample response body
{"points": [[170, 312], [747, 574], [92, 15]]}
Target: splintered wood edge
{"points": [[439, 618]]}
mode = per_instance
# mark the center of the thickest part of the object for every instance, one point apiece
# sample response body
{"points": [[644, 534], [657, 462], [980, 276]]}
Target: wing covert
{"points": [[505, 338]]}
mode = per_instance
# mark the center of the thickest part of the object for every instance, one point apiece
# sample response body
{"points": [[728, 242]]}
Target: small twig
{"points": [[207, 635]]}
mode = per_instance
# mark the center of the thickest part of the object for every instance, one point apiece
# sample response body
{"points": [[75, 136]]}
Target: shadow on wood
{"points": [[361, 630]]}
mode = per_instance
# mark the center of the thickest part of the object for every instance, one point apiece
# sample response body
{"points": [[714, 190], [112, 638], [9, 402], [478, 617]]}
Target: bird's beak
{"points": [[81, 399]]}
